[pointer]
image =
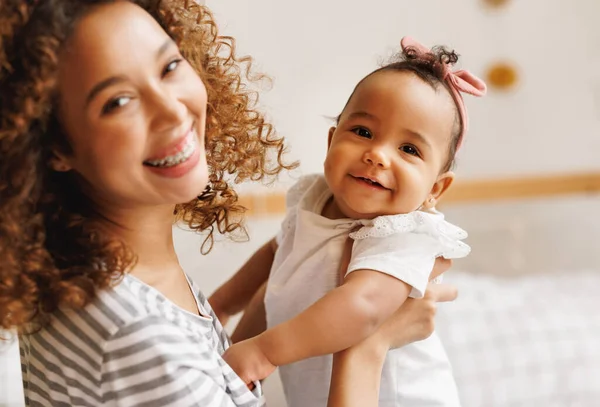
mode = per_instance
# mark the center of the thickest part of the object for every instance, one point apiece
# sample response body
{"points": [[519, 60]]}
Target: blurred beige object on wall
{"points": [[502, 76], [496, 3]]}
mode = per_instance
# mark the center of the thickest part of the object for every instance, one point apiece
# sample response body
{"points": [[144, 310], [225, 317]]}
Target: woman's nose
{"points": [[169, 112]]}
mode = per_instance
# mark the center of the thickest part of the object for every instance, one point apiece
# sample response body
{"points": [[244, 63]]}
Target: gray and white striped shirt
{"points": [[132, 347]]}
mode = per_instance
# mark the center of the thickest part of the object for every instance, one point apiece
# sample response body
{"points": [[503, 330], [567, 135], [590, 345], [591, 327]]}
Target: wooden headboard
{"points": [[467, 191], [522, 187]]}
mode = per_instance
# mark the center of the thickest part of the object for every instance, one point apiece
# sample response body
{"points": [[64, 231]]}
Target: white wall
{"points": [[316, 51]]}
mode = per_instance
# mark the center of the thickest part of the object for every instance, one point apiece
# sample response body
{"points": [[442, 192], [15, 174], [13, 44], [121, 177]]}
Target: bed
{"points": [[525, 330]]}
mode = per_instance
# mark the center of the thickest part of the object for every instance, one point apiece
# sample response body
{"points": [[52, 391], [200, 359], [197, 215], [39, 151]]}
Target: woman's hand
{"points": [[415, 319], [440, 266], [357, 370]]}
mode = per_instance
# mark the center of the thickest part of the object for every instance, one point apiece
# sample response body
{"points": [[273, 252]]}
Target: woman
{"points": [[117, 118]]}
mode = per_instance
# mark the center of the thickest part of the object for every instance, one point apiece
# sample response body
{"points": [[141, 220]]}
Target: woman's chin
{"points": [[184, 192], [188, 196]]}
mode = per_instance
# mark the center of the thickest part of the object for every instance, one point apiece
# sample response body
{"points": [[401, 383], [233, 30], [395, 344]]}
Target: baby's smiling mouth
{"points": [[370, 181]]}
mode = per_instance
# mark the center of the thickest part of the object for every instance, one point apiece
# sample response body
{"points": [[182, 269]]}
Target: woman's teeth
{"points": [[180, 157]]}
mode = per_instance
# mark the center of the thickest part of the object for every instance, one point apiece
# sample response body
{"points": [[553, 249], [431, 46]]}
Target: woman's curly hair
{"points": [[429, 67], [50, 252]]}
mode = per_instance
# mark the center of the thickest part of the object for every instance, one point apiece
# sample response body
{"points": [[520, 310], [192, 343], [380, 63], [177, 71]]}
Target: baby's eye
{"points": [[409, 149], [362, 132]]}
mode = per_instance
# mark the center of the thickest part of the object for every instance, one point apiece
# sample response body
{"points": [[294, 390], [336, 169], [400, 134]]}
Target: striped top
{"points": [[132, 347]]}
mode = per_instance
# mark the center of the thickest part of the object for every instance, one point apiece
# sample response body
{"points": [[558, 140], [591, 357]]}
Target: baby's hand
{"points": [[249, 361]]}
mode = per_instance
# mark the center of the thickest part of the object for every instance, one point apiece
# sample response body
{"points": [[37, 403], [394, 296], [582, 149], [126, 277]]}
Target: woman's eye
{"points": [[408, 149], [171, 66], [362, 132], [115, 104]]}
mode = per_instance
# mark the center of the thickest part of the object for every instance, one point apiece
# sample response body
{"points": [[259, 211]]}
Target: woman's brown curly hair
{"points": [[50, 252]]}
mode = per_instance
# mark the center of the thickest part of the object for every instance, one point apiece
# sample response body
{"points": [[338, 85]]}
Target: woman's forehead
{"points": [[114, 39]]}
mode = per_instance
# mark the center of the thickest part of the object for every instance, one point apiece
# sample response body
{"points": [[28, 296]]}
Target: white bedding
{"points": [[526, 341]]}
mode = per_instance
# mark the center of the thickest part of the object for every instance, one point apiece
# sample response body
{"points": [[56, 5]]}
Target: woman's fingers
{"points": [[441, 292], [440, 266]]}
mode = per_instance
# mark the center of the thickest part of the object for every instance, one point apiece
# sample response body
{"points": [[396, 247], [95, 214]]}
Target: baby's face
{"points": [[392, 140]]}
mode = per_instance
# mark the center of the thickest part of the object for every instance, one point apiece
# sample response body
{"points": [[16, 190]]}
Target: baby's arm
{"points": [[254, 320], [381, 275], [342, 318], [234, 296]]}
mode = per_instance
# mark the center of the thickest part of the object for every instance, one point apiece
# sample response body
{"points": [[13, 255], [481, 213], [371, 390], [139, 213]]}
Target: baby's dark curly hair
{"points": [[51, 254], [430, 67]]}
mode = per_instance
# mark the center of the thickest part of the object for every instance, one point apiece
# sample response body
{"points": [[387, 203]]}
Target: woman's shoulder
{"points": [[111, 309], [122, 321], [126, 337], [120, 305], [125, 307]]}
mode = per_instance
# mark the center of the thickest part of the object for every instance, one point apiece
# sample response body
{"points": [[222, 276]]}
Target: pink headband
{"points": [[458, 81]]}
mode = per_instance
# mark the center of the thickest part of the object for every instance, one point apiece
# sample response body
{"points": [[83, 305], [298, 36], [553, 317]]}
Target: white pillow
{"points": [[526, 341]]}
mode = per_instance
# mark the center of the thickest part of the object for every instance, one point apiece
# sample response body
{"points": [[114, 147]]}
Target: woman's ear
{"points": [[439, 188], [59, 162]]}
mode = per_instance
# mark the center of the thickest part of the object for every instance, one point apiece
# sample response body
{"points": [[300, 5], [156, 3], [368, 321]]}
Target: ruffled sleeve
{"points": [[405, 246]]}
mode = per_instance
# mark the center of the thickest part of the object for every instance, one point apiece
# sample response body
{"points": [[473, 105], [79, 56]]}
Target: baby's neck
{"points": [[331, 210]]}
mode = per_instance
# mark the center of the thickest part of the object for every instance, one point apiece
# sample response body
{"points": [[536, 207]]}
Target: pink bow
{"points": [[458, 81]]}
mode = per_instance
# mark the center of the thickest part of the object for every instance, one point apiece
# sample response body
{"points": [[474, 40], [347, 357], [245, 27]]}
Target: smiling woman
{"points": [[116, 119], [87, 109]]}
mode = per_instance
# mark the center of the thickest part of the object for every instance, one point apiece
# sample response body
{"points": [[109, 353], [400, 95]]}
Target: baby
{"points": [[388, 163]]}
